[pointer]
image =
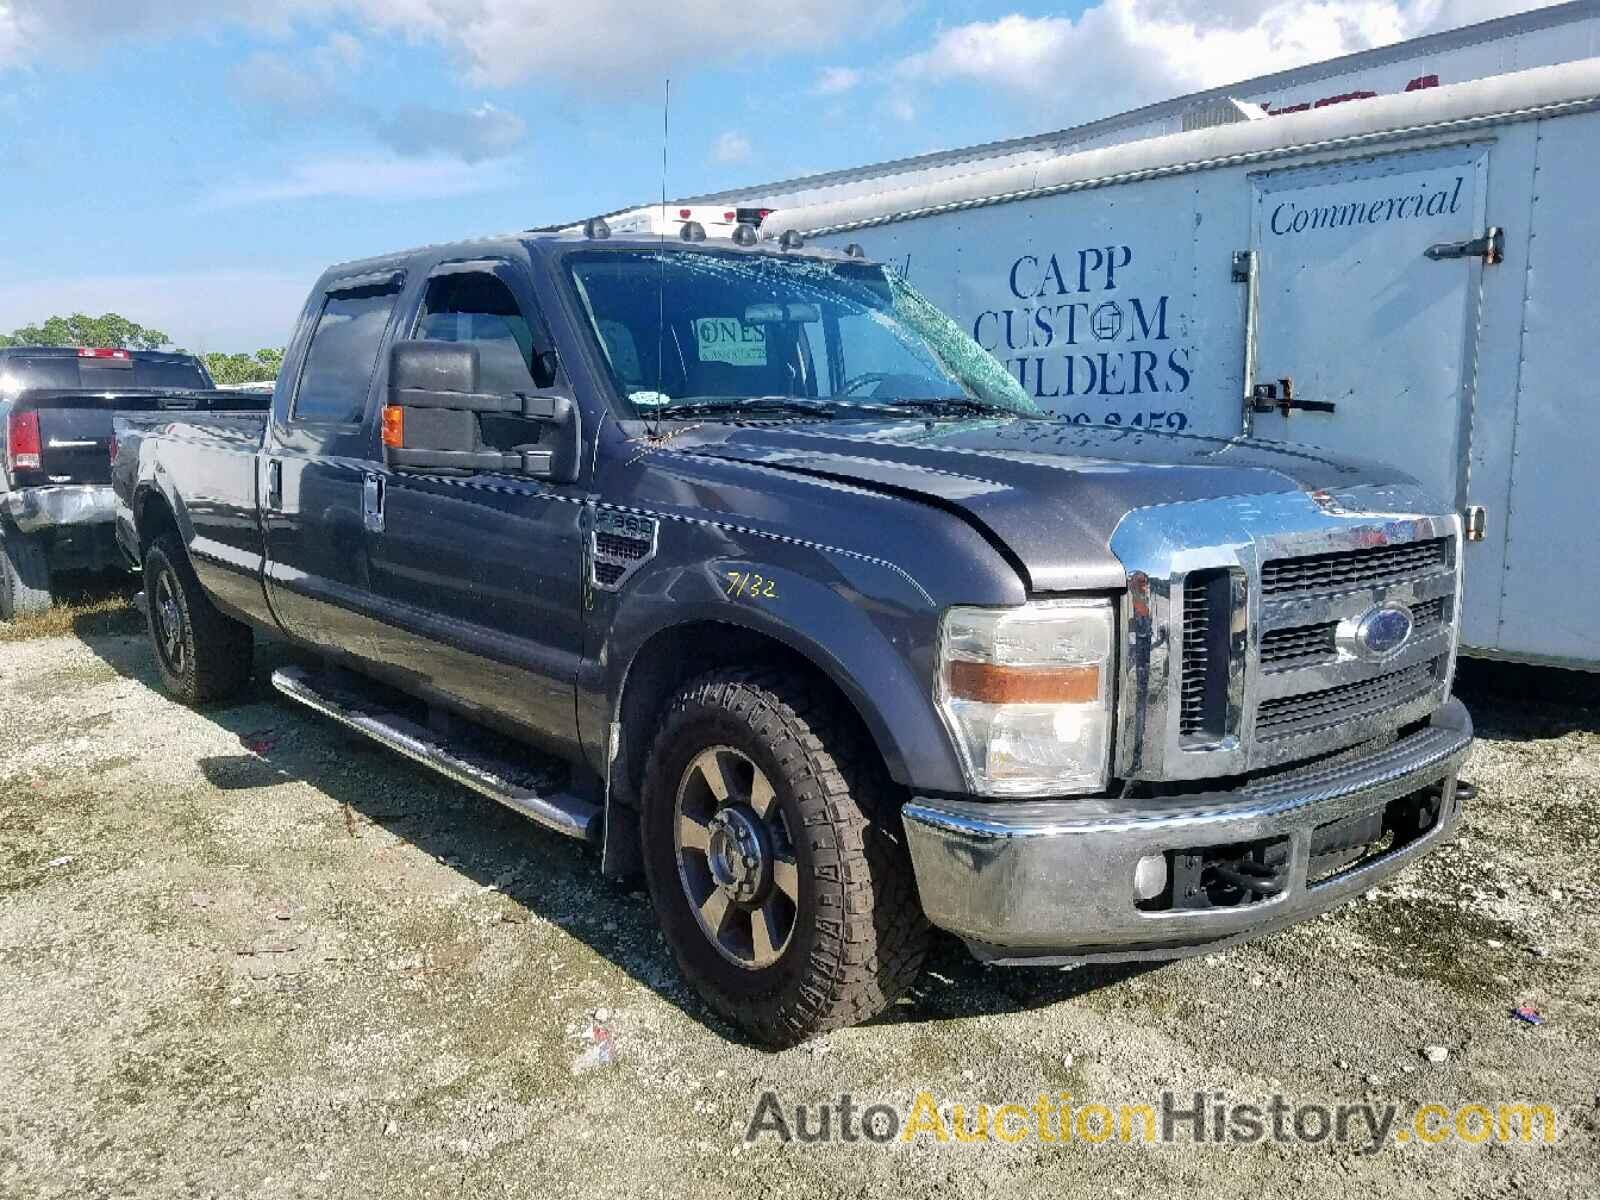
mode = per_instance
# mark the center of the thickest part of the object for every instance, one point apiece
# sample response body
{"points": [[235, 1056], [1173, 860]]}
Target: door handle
{"points": [[1491, 248], [372, 492], [274, 483]]}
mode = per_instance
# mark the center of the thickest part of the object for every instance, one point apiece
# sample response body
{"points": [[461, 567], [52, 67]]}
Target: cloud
{"points": [[377, 177], [497, 42], [278, 82], [311, 87], [1120, 54], [835, 81], [484, 133], [731, 147], [261, 308]]}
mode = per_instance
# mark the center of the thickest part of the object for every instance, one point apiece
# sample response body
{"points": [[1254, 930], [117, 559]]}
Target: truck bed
{"points": [[75, 425]]}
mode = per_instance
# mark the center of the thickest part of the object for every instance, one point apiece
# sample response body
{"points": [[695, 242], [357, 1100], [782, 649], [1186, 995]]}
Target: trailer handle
{"points": [[1491, 248]]}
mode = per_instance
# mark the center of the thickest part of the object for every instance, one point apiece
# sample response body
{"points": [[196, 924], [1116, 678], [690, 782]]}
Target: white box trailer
{"points": [[1413, 278]]}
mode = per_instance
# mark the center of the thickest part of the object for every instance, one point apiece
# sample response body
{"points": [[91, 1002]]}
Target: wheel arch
{"points": [[896, 716]]}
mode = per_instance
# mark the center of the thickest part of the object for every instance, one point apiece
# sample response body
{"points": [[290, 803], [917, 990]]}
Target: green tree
{"points": [[80, 329], [261, 367]]}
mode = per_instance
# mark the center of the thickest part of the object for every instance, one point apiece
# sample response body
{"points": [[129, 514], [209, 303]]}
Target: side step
{"points": [[534, 794]]}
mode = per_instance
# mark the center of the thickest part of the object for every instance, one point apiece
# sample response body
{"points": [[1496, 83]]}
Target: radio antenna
{"points": [[661, 275]]}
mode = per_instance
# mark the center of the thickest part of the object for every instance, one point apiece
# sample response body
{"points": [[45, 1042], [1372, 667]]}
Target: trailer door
{"points": [[1363, 345]]}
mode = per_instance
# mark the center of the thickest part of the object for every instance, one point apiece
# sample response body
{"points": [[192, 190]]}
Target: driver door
{"points": [[478, 576]]}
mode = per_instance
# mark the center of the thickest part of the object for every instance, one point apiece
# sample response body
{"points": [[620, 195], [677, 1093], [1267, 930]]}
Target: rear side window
{"points": [[25, 373], [344, 353]]}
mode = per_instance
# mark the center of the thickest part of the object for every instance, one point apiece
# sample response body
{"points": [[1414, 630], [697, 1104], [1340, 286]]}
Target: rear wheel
{"points": [[24, 576], [203, 655], [774, 858]]}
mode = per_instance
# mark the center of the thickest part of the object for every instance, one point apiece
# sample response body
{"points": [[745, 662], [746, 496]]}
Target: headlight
{"points": [[1026, 693]]}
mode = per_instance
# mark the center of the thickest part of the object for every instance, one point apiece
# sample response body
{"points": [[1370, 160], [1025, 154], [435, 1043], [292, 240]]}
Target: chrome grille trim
{"points": [[1347, 569], [1353, 535], [1196, 661], [1308, 710], [1307, 679], [1292, 612], [1307, 645]]}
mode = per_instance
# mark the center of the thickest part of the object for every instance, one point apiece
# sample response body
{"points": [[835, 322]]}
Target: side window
{"points": [[343, 355], [478, 307]]}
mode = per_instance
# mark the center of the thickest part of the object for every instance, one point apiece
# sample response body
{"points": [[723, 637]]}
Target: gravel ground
{"points": [[244, 954]]}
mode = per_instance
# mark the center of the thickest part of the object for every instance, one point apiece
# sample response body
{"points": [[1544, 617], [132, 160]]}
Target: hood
{"points": [[1047, 494]]}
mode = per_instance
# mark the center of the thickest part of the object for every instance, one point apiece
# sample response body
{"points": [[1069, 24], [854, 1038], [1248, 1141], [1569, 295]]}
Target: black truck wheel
{"points": [[203, 655], [776, 866], [24, 576]]}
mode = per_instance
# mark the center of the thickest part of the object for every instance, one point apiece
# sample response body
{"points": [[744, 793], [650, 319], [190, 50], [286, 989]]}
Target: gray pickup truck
{"points": [[55, 464], [745, 564]]}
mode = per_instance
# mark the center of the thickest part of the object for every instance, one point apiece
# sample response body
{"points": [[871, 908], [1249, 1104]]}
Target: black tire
{"points": [[203, 655], [24, 576], [857, 936]]}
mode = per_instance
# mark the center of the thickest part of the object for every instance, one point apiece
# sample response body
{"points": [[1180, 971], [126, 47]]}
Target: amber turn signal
{"points": [[394, 427], [994, 684]]}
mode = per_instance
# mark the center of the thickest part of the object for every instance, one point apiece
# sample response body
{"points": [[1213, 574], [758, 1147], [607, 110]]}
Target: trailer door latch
{"points": [[1491, 247], [1267, 397]]}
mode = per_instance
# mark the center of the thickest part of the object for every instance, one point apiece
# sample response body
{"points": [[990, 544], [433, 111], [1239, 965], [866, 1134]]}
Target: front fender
{"points": [[864, 623]]}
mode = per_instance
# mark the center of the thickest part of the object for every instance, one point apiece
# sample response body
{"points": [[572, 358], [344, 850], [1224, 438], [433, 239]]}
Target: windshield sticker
{"points": [[729, 340]]}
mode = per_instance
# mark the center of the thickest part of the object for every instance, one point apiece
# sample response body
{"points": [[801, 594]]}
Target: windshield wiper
{"points": [[947, 406], [754, 406]]}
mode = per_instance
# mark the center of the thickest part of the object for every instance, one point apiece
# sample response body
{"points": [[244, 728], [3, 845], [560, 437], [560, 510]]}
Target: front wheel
{"points": [[203, 654], [774, 858]]}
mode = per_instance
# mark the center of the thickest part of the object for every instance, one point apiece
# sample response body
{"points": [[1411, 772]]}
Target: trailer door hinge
{"points": [[1244, 262], [1491, 247]]}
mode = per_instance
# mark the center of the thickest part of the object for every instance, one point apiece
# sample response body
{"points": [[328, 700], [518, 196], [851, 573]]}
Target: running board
{"points": [[529, 792]]}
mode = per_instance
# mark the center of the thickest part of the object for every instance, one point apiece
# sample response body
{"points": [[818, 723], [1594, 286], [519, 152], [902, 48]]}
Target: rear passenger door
{"points": [[477, 577], [318, 452]]}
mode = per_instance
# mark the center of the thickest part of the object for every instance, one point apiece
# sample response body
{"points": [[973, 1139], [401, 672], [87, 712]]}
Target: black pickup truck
{"points": [[744, 563], [55, 464]]}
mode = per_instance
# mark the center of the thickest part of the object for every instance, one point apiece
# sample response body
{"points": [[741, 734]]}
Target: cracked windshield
{"points": [[691, 333]]}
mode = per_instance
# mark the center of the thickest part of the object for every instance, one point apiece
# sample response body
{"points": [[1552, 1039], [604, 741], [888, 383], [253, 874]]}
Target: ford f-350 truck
{"points": [[746, 564]]}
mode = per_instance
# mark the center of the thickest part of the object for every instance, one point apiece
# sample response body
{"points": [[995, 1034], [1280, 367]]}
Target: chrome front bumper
{"points": [[1053, 880], [34, 508]]}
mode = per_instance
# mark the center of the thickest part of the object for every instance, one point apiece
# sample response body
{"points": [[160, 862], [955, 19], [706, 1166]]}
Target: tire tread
{"points": [[872, 935]]}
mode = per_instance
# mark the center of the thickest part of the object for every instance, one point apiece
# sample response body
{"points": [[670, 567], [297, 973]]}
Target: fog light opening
{"points": [[1150, 877]]}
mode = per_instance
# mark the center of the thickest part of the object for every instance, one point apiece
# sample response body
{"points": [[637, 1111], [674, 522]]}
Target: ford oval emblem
{"points": [[1378, 632]]}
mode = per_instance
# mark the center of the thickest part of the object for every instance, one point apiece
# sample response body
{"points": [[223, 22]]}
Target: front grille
{"points": [[1431, 614], [1207, 652], [1348, 569], [1331, 706], [1196, 641], [1304, 643], [1307, 645]]}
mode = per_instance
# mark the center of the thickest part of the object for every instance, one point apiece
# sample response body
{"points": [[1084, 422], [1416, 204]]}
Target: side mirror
{"points": [[433, 417]]}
